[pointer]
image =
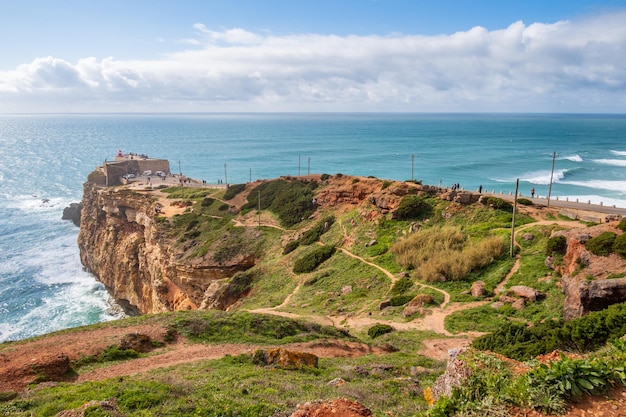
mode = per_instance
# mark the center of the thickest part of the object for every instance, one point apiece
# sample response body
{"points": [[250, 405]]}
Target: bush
{"points": [[412, 207], [379, 330], [556, 244], [313, 258], [290, 200], [400, 300], [324, 177], [207, 201], [622, 225], [602, 244], [402, 286], [498, 203], [525, 201], [619, 246], [233, 190], [114, 353]]}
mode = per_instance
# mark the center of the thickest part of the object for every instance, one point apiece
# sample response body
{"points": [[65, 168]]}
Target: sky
{"points": [[555, 56]]}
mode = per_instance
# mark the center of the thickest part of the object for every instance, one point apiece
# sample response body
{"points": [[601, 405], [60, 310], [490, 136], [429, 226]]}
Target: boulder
{"points": [[527, 293], [73, 212], [285, 358], [478, 289], [137, 342], [584, 297], [455, 375], [342, 407], [384, 304]]}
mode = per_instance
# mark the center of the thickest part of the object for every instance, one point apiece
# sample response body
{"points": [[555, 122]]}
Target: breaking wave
{"points": [[612, 162]]}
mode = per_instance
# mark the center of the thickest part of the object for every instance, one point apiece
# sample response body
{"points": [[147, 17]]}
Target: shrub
{"points": [[291, 246], [525, 201], [379, 330], [402, 286], [602, 244], [412, 207], [207, 201], [556, 244], [622, 225], [619, 246], [223, 207], [498, 203], [115, 353], [324, 177], [400, 300], [290, 200], [233, 190], [313, 258]]}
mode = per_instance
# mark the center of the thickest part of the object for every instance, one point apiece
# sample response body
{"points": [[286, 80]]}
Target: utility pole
{"points": [[250, 174], [308, 169], [225, 176], [551, 177], [298, 165], [180, 171], [412, 165], [259, 198], [513, 222]]}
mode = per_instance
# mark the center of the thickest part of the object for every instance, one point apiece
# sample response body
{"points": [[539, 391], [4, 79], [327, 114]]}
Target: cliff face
{"points": [[123, 245]]}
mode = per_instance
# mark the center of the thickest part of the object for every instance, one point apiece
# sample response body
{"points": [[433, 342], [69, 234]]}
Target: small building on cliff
{"points": [[130, 163]]}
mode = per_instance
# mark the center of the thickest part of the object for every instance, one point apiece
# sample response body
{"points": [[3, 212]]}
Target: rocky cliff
{"points": [[129, 251]]}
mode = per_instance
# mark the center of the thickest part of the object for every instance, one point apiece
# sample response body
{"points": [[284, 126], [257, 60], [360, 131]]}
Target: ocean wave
{"points": [[594, 199], [613, 162], [619, 153], [543, 177], [35, 203], [617, 186], [573, 158]]}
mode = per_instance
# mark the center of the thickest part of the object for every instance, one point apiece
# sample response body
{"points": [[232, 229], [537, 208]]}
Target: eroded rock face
{"points": [[73, 212], [583, 297], [120, 242], [285, 358], [342, 407]]}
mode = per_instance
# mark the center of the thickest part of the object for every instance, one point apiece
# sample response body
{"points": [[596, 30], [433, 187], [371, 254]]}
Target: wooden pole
{"points": [[298, 165], [513, 222], [225, 176], [308, 169], [412, 165], [551, 177], [259, 198]]}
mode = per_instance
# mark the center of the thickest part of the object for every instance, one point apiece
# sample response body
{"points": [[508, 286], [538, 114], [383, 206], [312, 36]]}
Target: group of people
{"points": [[456, 187]]}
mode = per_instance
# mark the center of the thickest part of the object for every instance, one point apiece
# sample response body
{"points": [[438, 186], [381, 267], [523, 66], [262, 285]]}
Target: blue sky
{"points": [[322, 55]]}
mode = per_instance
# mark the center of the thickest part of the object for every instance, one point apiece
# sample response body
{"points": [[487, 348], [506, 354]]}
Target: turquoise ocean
{"points": [[44, 160]]}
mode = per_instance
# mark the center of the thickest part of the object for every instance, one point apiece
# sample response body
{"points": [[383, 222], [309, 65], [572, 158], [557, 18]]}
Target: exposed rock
{"points": [[384, 304], [527, 293], [346, 290], [121, 243], [583, 297], [478, 289], [518, 304], [342, 407], [408, 311], [108, 407], [73, 213], [285, 358], [497, 305], [137, 342], [43, 367], [371, 243], [455, 375], [461, 197], [528, 237], [337, 382]]}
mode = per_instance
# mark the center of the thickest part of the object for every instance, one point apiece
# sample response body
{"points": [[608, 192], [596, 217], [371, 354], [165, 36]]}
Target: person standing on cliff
{"points": [[532, 192]]}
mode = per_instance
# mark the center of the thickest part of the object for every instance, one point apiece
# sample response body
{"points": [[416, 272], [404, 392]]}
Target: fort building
{"points": [[128, 166]]}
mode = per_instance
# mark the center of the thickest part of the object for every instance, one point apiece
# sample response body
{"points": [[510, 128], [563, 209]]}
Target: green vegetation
{"points": [[379, 330], [492, 388], [522, 342], [556, 245], [413, 207], [525, 201], [602, 244], [622, 225], [498, 203], [619, 245], [234, 190], [311, 259], [290, 200], [310, 236]]}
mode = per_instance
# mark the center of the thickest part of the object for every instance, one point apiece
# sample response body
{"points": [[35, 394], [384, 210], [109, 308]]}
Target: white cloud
{"points": [[564, 66]]}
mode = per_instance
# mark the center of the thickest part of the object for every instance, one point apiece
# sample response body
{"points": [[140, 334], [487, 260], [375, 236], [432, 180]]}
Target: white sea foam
{"points": [[613, 162], [594, 199], [543, 177], [618, 186], [573, 158], [619, 153], [36, 203]]}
